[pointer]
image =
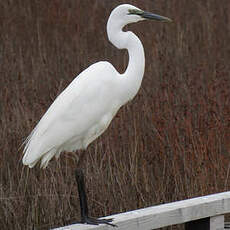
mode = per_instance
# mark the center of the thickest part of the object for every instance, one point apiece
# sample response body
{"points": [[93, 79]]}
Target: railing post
{"points": [[210, 223]]}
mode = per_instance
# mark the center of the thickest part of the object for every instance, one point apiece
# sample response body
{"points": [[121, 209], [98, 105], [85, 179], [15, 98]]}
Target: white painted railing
{"points": [[201, 213]]}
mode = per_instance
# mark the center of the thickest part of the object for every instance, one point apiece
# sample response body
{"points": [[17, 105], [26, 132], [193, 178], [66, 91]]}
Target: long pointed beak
{"points": [[151, 16]]}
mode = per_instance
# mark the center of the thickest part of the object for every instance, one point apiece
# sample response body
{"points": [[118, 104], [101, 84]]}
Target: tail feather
{"points": [[47, 157], [33, 151]]}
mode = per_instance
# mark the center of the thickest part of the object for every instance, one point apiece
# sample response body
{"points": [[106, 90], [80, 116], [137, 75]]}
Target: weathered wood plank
{"points": [[167, 214]]}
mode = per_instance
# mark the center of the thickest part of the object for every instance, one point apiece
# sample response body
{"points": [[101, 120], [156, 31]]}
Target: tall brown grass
{"points": [[172, 142]]}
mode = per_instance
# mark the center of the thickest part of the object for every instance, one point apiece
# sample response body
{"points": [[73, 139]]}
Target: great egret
{"points": [[84, 110]]}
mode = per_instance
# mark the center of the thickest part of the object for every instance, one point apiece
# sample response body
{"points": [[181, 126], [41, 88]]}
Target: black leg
{"points": [[82, 194], [83, 202]]}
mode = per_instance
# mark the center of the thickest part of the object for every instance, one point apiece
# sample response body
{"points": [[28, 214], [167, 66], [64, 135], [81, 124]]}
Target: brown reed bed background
{"points": [[172, 142]]}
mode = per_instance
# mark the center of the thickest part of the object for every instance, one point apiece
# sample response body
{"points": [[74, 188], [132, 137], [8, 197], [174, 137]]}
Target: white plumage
{"points": [[86, 107], [77, 116]]}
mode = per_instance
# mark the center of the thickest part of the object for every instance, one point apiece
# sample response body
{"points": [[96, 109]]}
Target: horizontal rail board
{"points": [[166, 214]]}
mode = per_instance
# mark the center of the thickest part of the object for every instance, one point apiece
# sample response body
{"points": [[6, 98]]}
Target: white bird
{"points": [[84, 110]]}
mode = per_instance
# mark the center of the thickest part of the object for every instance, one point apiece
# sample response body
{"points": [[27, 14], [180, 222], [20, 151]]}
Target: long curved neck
{"points": [[133, 75]]}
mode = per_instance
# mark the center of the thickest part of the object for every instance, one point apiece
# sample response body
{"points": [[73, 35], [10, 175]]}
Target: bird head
{"points": [[127, 13]]}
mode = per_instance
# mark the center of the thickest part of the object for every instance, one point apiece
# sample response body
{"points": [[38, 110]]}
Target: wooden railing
{"points": [[201, 213]]}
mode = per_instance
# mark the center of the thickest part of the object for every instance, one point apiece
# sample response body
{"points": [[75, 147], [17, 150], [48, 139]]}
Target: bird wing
{"points": [[74, 112]]}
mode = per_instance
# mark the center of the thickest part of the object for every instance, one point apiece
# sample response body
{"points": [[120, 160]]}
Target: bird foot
{"points": [[94, 221]]}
